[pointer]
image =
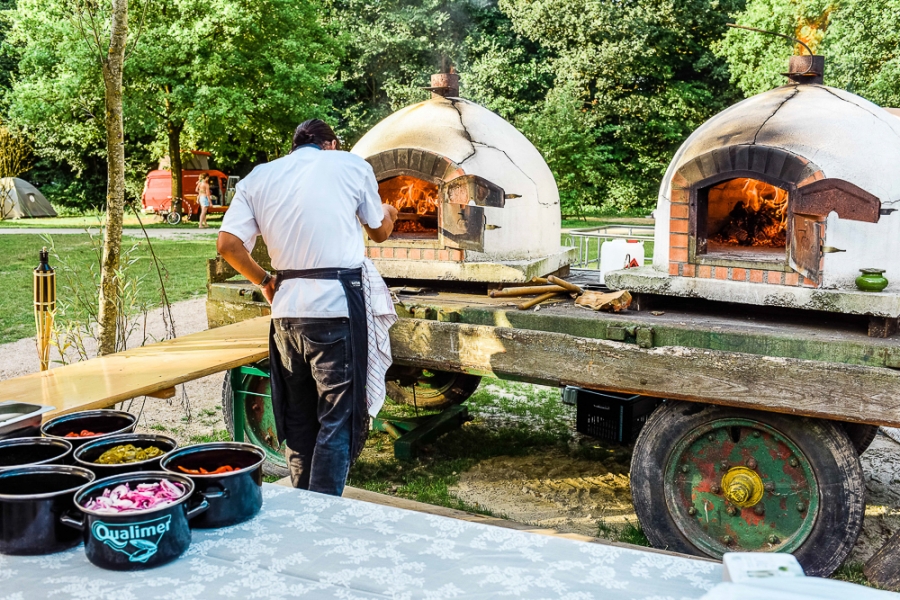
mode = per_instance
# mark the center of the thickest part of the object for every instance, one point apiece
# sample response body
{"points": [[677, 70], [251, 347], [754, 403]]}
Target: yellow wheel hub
{"points": [[743, 487]]}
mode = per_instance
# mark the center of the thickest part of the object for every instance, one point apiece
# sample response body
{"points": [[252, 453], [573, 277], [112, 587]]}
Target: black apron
{"points": [[351, 280]]}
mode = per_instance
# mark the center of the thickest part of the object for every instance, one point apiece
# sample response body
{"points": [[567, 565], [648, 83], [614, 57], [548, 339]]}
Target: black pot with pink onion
{"points": [[137, 520]]}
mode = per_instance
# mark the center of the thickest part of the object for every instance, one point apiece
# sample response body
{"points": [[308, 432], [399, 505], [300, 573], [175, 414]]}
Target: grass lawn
{"points": [[184, 261], [130, 221]]}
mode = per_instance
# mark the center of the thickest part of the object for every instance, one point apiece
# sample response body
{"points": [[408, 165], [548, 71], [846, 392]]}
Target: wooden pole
{"points": [[563, 283], [529, 303], [526, 290]]}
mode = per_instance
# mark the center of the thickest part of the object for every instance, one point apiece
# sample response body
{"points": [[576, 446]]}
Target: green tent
{"points": [[19, 199]]}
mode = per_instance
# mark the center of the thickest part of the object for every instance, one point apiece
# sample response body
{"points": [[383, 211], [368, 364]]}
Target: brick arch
{"points": [[768, 161], [414, 162], [775, 165]]}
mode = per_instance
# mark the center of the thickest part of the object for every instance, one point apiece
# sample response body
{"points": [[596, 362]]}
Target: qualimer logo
{"points": [[143, 537]]}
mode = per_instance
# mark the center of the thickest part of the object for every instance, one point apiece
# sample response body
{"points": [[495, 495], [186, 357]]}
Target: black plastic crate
{"points": [[611, 416]]}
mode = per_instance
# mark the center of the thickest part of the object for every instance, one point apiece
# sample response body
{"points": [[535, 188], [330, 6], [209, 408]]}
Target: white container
{"points": [[616, 255]]}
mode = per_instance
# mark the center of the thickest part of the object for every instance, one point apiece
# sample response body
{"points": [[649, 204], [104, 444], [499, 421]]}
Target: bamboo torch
{"points": [[44, 306]]}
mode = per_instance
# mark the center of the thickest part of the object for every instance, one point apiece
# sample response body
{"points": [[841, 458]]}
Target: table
{"points": [[148, 370], [306, 545]]}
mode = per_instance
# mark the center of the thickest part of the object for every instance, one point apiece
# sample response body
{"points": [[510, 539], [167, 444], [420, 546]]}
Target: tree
{"points": [[393, 47], [15, 153], [106, 36], [235, 76], [645, 73], [859, 44], [757, 60], [230, 76]]}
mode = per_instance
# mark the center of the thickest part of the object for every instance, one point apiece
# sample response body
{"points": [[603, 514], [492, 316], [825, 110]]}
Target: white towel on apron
{"points": [[380, 315]]}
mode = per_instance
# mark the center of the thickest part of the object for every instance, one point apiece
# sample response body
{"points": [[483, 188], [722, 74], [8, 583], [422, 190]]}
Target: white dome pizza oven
{"points": [[780, 200], [477, 202]]}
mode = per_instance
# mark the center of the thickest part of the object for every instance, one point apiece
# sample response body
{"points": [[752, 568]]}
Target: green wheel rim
{"points": [[255, 393], [710, 469]]}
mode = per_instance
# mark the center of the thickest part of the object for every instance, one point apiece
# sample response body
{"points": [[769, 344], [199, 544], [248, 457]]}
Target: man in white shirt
{"points": [[308, 207]]}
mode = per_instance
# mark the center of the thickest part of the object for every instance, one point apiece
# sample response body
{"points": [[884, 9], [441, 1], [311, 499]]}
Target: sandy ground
{"points": [[171, 417], [549, 489]]}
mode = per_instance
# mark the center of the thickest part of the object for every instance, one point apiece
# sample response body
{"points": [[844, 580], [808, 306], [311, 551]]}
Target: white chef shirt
{"points": [[308, 206]]}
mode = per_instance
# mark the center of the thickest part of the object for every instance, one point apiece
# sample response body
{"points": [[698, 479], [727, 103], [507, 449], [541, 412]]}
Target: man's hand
{"points": [[383, 232], [231, 248], [268, 291]]}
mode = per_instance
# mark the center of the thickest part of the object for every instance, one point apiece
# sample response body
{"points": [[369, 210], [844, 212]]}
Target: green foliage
{"points": [[568, 136], [646, 77], [235, 77], [861, 49], [856, 37], [757, 60]]}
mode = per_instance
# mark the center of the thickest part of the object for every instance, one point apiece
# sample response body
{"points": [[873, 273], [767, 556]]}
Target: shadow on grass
{"points": [[428, 478]]}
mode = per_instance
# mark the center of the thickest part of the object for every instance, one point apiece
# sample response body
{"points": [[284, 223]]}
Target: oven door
{"points": [[807, 235], [462, 214]]}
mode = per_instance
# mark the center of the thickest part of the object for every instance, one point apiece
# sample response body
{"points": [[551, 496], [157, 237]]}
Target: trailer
{"points": [[754, 447]]}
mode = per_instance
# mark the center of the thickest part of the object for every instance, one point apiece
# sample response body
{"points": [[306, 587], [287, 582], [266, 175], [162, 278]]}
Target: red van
{"points": [[157, 196]]}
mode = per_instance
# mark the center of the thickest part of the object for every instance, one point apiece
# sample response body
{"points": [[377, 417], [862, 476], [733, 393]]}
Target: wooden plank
{"points": [[164, 394], [101, 382], [786, 385]]}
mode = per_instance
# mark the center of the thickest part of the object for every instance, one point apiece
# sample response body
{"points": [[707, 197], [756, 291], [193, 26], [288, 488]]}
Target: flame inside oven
{"points": [[747, 212], [417, 202]]}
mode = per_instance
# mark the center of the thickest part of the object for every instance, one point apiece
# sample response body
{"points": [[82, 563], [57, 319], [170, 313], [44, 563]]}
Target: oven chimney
{"points": [[806, 69], [444, 85]]}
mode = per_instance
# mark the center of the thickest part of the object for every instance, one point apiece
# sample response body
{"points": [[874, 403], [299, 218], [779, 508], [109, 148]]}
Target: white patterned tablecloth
{"points": [[306, 545]]}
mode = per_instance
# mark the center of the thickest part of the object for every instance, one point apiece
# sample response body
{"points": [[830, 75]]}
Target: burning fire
{"points": [[758, 217], [415, 199]]}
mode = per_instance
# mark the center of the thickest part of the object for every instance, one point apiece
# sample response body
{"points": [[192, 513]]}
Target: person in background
{"points": [[203, 198], [310, 208]]}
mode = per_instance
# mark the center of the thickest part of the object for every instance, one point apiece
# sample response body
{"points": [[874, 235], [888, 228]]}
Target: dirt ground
{"points": [[548, 487], [552, 489]]}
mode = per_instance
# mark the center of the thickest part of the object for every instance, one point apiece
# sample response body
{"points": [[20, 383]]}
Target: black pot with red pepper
{"points": [[228, 474], [88, 425]]}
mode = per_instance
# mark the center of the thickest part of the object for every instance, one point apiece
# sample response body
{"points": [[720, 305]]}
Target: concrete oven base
{"points": [[512, 271], [647, 280]]}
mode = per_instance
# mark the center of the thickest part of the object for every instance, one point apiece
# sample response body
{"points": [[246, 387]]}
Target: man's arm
{"points": [[380, 234], [232, 249]]}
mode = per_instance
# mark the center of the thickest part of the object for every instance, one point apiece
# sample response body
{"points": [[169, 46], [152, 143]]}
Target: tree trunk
{"points": [[112, 66], [174, 134]]}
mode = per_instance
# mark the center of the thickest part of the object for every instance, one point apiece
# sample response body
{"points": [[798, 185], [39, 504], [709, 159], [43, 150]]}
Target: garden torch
{"points": [[44, 306]]}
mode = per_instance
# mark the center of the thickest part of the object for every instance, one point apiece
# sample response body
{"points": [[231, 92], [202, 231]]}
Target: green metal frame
{"points": [[409, 434]]}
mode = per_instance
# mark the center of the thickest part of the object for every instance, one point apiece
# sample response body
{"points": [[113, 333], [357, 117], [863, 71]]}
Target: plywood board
{"points": [[101, 382]]}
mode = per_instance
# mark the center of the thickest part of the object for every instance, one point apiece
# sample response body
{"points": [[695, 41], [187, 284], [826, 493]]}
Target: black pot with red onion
{"points": [[86, 426], [228, 474]]}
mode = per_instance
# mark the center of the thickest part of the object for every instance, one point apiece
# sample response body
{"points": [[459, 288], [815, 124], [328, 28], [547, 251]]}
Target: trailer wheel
{"points": [[861, 435], [259, 423], [433, 390], [738, 480]]}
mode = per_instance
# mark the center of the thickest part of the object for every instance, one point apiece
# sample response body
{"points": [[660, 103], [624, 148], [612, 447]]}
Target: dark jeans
{"points": [[316, 355]]}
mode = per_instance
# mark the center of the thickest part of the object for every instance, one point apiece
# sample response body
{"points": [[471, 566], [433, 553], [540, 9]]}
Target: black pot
{"points": [[136, 540], [19, 452], [33, 500], [233, 497], [90, 452], [101, 422]]}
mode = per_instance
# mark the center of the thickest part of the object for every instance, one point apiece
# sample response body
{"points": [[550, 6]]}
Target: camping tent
{"points": [[19, 199]]}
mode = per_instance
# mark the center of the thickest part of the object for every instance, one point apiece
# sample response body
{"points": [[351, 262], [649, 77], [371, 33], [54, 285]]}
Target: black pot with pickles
{"points": [[127, 453]]}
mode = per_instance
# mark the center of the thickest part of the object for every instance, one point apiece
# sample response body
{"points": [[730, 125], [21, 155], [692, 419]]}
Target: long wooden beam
{"points": [[785, 385]]}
